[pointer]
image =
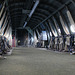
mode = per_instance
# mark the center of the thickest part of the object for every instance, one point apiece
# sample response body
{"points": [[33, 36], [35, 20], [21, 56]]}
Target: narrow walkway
{"points": [[32, 61]]}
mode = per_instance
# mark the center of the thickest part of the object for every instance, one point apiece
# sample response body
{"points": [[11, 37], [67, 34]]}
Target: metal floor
{"points": [[32, 61]]}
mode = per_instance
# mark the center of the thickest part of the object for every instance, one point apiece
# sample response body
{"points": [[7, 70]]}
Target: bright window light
{"points": [[44, 35], [72, 27]]}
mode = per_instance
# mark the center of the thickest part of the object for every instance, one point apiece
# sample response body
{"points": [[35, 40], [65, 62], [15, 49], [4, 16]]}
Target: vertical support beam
{"points": [[51, 28], [35, 39], [10, 36], [2, 10], [15, 38], [55, 34], [6, 33], [70, 18], [4, 25], [63, 24], [6, 1], [56, 25], [48, 31], [1, 21], [38, 33], [28, 40]]}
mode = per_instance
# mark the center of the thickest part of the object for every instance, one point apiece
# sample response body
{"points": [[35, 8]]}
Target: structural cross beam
{"points": [[53, 13]]}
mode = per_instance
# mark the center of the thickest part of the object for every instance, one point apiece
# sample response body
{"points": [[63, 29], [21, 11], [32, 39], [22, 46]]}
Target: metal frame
{"points": [[54, 13]]}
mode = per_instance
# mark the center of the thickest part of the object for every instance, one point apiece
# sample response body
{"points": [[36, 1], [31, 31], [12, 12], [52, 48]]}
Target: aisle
{"points": [[32, 61]]}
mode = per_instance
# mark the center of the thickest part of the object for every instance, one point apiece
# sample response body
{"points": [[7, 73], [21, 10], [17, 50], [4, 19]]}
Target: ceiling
{"points": [[19, 11], [43, 10]]}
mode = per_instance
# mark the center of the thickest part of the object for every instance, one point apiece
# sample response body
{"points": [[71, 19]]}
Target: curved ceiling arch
{"points": [[53, 26], [16, 13], [15, 9], [36, 22], [45, 6], [43, 11], [16, 4], [50, 4], [16, 16], [43, 17], [38, 9], [45, 24]]}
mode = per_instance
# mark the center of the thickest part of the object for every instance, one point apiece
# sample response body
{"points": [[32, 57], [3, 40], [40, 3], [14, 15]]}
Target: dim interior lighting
{"points": [[18, 41], [72, 27]]}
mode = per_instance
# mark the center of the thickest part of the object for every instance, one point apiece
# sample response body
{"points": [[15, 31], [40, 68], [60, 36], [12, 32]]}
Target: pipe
{"points": [[32, 11]]}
